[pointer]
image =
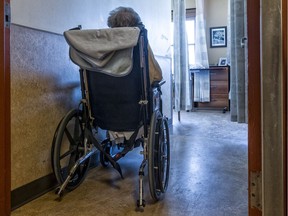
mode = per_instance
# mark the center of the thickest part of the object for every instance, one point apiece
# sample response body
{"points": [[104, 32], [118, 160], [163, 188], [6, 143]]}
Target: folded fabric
{"points": [[104, 50], [202, 85]]}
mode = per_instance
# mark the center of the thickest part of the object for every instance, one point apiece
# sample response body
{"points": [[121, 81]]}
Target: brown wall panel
{"points": [[285, 96]]}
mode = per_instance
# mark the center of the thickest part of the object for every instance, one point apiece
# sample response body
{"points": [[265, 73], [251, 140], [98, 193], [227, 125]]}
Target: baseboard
{"points": [[26, 193]]}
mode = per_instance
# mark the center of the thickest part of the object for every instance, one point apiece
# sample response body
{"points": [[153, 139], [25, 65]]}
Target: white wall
{"points": [[58, 16], [190, 4], [216, 14]]}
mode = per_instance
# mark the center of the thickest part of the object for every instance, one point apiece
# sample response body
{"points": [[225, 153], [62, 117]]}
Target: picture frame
{"points": [[218, 37], [222, 61]]}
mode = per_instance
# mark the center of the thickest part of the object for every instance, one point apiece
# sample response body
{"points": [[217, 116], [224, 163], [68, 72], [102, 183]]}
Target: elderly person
{"points": [[127, 17]]}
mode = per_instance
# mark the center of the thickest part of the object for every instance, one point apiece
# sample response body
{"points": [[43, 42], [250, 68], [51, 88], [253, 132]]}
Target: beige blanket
{"points": [[105, 50]]}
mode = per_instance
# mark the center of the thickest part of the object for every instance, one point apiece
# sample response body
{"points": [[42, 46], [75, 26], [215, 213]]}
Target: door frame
{"points": [[254, 97], [5, 125], [285, 95], [256, 161]]}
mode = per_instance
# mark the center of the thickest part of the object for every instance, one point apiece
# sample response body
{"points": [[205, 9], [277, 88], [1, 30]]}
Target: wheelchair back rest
{"points": [[115, 100], [111, 59]]}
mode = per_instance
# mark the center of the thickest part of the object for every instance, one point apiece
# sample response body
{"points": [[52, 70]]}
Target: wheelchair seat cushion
{"points": [[108, 51]]}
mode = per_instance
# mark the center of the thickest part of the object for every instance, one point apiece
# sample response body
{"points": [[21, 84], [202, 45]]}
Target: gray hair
{"points": [[123, 17]]}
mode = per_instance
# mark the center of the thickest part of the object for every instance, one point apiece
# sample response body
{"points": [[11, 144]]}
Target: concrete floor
{"points": [[208, 176]]}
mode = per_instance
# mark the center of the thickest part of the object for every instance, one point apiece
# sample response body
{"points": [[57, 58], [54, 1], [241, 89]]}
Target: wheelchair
{"points": [[113, 102]]}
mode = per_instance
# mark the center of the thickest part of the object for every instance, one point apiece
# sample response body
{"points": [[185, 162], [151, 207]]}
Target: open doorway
{"points": [[267, 75], [253, 100], [231, 82]]}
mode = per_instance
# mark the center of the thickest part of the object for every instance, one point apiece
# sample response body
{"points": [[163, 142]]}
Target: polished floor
{"points": [[208, 176]]}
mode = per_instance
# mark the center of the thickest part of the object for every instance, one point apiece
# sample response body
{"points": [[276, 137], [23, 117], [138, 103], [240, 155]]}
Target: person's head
{"points": [[123, 17]]}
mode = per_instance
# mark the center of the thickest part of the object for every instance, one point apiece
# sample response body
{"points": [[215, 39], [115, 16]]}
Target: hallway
{"points": [[208, 176]]}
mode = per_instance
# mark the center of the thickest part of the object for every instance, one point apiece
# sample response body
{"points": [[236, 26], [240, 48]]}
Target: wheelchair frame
{"points": [[77, 128]]}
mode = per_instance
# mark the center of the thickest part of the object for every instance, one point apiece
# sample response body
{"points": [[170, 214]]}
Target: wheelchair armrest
{"points": [[157, 84]]}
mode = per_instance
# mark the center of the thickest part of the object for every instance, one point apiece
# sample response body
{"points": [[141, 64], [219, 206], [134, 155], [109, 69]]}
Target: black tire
{"points": [[158, 156], [164, 156], [67, 148], [53, 145]]}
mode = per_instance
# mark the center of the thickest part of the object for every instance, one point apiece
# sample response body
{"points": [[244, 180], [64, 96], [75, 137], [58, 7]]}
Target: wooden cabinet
{"points": [[219, 89]]}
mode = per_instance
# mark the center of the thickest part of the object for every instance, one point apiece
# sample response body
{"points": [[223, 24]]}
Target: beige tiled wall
{"points": [[44, 86]]}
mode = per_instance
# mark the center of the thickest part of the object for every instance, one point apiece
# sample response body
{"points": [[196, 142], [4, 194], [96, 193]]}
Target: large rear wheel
{"points": [[68, 147], [158, 156]]}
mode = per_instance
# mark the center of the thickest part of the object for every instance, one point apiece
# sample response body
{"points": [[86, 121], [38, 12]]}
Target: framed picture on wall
{"points": [[218, 37]]}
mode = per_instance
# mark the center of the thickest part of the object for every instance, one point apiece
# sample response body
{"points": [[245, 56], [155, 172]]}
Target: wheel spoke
{"points": [[76, 127], [70, 138], [67, 153], [68, 148]]}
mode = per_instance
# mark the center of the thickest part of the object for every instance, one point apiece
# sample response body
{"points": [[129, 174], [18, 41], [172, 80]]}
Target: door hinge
{"points": [[256, 190], [7, 15]]}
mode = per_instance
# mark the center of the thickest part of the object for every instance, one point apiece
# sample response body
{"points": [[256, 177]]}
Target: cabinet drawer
{"points": [[218, 87], [214, 97], [218, 75], [214, 104]]}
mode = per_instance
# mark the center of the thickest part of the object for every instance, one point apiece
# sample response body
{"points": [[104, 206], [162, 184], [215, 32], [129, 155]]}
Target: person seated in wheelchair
{"points": [[121, 94], [108, 51], [128, 17]]}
